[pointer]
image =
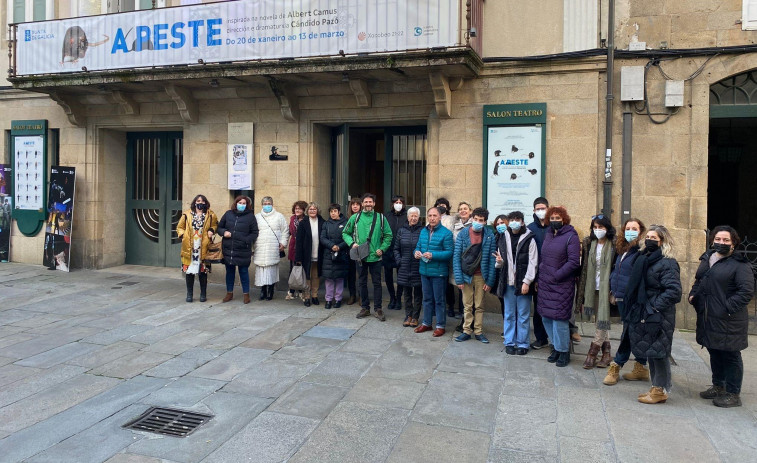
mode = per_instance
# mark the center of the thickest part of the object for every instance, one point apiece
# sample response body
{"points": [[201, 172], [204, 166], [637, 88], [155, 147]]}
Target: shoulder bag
{"points": [[361, 252]]}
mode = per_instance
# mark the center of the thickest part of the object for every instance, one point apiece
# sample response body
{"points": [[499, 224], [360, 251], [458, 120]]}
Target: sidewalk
{"points": [[83, 353]]}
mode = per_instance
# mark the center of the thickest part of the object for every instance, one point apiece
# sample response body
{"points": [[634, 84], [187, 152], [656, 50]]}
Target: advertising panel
{"points": [[6, 211], [234, 31], [240, 166], [29, 169], [60, 211]]}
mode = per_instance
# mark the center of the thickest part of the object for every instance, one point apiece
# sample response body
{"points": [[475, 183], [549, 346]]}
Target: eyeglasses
{"points": [[600, 216]]}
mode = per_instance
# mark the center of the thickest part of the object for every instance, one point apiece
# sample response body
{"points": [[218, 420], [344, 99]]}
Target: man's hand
{"points": [[427, 255], [461, 286], [524, 288], [487, 288], [417, 255], [379, 252], [354, 245]]}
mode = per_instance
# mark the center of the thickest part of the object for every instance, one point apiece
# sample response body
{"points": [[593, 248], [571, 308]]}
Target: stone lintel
{"points": [[185, 103]]}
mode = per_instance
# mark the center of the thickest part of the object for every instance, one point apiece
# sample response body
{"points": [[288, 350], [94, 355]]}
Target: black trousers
{"points": [[389, 278], [727, 369], [374, 268], [413, 300], [352, 278]]}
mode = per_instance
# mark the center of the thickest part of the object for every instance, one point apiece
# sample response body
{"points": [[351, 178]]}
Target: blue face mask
{"points": [[631, 235], [241, 207], [477, 227], [515, 225], [267, 208], [501, 228]]}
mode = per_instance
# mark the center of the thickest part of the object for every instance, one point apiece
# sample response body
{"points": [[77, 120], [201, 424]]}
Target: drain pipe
{"points": [[625, 183], [607, 180]]}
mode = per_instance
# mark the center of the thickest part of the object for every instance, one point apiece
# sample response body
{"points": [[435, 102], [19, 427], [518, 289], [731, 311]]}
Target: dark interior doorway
{"points": [[366, 164]]}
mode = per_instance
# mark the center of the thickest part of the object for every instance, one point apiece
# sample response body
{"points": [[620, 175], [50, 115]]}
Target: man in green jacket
{"points": [[357, 232]]}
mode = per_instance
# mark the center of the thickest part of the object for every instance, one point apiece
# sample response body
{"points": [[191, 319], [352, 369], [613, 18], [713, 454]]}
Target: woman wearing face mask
{"points": [[354, 206], [500, 227], [196, 228], [463, 220], [298, 213], [309, 252], [627, 247], [269, 248], [397, 218], [408, 267], [335, 256], [239, 230], [593, 292], [653, 291], [723, 286], [559, 263]]}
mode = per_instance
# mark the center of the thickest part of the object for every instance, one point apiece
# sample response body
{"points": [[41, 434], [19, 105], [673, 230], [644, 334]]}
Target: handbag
{"points": [[297, 279], [214, 253], [471, 259], [362, 251]]}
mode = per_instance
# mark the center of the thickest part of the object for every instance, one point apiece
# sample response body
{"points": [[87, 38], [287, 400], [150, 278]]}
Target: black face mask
{"points": [[200, 206], [442, 210], [652, 245], [556, 225], [721, 248]]}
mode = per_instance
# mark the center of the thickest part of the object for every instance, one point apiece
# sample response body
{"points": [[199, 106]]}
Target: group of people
{"points": [[544, 264]]}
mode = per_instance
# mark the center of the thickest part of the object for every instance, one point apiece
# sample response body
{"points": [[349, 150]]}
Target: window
{"points": [[30, 10], [115, 6], [749, 15]]}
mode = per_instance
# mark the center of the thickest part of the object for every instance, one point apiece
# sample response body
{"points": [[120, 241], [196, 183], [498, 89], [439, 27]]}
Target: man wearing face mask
{"points": [[518, 256], [397, 218], [539, 228], [473, 264]]}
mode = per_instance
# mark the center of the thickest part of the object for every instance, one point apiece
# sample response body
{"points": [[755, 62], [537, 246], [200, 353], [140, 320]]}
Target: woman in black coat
{"points": [[239, 229], [723, 286], [335, 256], [309, 252], [654, 289], [408, 267]]}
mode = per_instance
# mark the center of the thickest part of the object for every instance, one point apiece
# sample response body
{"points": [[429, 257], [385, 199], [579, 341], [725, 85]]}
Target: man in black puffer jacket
{"points": [[724, 285]]}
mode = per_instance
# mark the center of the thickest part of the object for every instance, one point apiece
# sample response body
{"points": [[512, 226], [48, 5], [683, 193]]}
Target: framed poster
{"points": [[514, 140], [29, 153], [240, 166], [6, 211], [60, 210]]}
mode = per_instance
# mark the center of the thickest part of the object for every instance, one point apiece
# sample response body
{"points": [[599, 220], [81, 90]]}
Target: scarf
{"points": [[590, 293], [636, 292]]}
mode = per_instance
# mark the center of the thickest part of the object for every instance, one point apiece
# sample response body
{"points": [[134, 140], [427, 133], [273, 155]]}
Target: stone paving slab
{"points": [[446, 444], [131, 365], [58, 355], [230, 364], [39, 382], [309, 400], [329, 332], [183, 393]]}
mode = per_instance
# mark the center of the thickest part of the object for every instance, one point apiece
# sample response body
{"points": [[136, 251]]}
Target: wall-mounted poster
{"points": [[29, 170], [240, 166], [514, 169], [6, 211], [60, 210]]}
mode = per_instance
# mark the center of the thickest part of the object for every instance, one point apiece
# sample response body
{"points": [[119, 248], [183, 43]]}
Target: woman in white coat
{"points": [[269, 247]]}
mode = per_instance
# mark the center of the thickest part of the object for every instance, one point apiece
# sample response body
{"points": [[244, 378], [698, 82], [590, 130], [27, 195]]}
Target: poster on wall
{"points": [[60, 210], [29, 171], [6, 211], [240, 166], [514, 169]]}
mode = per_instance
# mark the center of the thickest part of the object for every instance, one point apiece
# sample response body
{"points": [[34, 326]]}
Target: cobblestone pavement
{"points": [[83, 353]]}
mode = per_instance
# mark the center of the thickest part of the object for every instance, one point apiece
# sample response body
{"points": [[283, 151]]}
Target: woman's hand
{"points": [[210, 233], [498, 257], [524, 288], [417, 255], [335, 248], [227, 234], [691, 298]]}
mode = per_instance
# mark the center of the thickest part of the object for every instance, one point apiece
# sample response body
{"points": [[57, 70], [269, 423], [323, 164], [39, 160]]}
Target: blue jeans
{"points": [[559, 332], [624, 349], [434, 289], [244, 277], [517, 313]]}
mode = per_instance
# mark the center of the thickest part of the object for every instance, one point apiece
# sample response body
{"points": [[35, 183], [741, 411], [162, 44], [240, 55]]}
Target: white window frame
{"points": [[749, 15], [112, 6], [29, 10]]}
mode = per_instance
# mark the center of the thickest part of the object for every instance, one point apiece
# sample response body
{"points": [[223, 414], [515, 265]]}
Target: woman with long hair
{"points": [[353, 207], [196, 228], [298, 213]]}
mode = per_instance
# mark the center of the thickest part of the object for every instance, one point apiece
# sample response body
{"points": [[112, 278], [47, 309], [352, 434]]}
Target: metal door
{"points": [[405, 169], [153, 198]]}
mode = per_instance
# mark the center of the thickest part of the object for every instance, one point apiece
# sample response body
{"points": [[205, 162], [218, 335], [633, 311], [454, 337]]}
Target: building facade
{"points": [[145, 141]]}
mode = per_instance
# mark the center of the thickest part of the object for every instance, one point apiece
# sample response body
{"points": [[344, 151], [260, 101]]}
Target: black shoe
{"points": [[315, 301], [538, 344], [482, 338], [364, 312], [189, 297], [307, 302], [712, 392], [269, 296], [521, 351], [459, 327], [727, 400], [337, 304], [203, 297], [263, 292], [450, 313], [553, 356], [510, 350], [327, 305], [563, 360]]}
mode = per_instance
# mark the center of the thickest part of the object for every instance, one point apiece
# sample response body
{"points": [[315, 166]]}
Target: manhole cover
{"points": [[168, 421]]}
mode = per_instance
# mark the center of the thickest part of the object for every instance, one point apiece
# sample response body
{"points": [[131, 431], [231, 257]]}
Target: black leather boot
{"points": [[190, 278], [203, 287], [269, 295]]}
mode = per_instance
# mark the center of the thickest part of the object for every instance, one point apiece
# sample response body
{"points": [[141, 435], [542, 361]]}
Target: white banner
{"points": [[234, 31]]}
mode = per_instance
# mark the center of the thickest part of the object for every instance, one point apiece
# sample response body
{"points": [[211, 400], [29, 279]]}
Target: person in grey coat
{"points": [[335, 256]]}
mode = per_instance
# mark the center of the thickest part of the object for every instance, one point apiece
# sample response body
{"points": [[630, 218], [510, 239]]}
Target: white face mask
{"points": [[540, 214], [397, 207], [600, 233]]}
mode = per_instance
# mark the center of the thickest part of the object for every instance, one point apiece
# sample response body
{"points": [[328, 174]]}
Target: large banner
{"points": [[234, 31], [6, 211], [60, 211]]}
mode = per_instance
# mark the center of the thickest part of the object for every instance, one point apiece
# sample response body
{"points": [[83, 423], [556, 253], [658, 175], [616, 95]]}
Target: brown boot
{"points": [[606, 359], [639, 373], [228, 297], [591, 357], [613, 374], [656, 395], [246, 298], [351, 300]]}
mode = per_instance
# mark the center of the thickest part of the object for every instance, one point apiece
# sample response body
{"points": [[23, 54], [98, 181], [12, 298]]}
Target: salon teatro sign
{"points": [[515, 113], [241, 30]]}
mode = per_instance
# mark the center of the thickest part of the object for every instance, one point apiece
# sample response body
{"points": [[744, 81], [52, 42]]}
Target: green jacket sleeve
{"points": [[347, 230]]}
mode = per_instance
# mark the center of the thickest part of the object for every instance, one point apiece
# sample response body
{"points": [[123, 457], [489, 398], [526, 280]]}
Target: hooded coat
{"points": [[408, 267], [560, 260], [237, 250], [720, 296], [396, 221], [331, 235], [274, 231]]}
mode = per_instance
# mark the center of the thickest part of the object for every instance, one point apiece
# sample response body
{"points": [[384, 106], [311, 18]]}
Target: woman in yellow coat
{"points": [[196, 227]]}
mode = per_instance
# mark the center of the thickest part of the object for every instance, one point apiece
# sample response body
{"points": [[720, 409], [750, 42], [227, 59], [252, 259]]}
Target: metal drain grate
{"points": [[168, 421]]}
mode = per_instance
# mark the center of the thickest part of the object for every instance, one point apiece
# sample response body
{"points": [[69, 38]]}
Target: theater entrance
{"points": [[385, 161]]}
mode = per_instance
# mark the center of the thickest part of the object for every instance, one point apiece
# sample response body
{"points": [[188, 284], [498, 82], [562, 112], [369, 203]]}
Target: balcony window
{"points": [[30, 10]]}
